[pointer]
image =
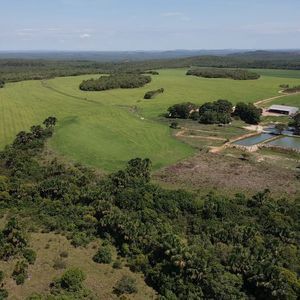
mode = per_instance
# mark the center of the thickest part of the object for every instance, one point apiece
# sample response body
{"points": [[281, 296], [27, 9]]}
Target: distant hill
{"points": [[106, 56]]}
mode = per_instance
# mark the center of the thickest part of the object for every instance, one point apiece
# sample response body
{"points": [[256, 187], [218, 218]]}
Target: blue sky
{"points": [[149, 25]]}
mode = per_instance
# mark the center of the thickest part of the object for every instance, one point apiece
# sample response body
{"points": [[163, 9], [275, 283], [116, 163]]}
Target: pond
{"points": [[253, 140], [286, 142]]}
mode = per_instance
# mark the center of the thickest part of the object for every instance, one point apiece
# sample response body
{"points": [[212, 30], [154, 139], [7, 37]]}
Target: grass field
{"points": [[101, 278], [105, 129]]}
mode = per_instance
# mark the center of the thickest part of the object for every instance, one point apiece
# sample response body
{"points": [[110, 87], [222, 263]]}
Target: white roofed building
{"points": [[283, 110]]}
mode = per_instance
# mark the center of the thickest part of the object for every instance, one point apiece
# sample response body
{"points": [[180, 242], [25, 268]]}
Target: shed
{"points": [[283, 110]]}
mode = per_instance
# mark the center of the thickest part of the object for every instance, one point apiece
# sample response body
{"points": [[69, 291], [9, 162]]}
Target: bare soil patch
{"points": [[208, 171]]}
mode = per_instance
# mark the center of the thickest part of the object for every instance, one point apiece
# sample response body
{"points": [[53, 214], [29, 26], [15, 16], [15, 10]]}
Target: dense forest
{"points": [[25, 69], [115, 81], [236, 74], [188, 246]]}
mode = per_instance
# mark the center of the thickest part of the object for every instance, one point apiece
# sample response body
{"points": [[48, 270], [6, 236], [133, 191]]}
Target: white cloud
{"points": [[171, 14], [85, 36], [175, 14]]}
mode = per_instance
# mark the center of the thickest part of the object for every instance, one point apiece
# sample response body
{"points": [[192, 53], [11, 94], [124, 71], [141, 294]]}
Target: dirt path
{"points": [[182, 132], [259, 103]]}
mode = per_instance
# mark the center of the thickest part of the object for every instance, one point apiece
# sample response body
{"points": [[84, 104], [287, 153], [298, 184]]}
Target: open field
{"points": [[105, 129], [228, 172], [101, 278]]}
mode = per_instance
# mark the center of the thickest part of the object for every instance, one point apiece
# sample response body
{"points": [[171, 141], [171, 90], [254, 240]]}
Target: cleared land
{"points": [[105, 129], [231, 173]]}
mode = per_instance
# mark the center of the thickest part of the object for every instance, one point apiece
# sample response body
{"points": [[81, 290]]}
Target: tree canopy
{"points": [[115, 81], [188, 245], [248, 113], [236, 74]]}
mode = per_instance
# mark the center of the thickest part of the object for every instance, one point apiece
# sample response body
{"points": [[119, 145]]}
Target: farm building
{"points": [[283, 110]]}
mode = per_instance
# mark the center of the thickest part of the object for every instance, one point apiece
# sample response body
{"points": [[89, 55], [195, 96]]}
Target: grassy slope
{"points": [[100, 279], [293, 100], [105, 129]]}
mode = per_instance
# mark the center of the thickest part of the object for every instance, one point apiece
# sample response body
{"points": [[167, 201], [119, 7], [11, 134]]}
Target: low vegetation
{"points": [[235, 74], [181, 110], [188, 247], [151, 72], [116, 81], [153, 94], [291, 90]]}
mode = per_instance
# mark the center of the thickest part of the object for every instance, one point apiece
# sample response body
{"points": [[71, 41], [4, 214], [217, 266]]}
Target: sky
{"points": [[106, 25]]}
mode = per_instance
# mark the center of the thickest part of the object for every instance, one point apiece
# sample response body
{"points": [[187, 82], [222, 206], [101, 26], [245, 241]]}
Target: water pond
{"points": [[286, 142], [253, 140]]}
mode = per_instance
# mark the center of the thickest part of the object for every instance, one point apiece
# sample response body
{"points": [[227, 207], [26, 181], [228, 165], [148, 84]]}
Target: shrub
{"points": [[30, 256], [20, 272], [59, 264], [2, 83], [71, 280], [153, 94], [126, 285], [174, 125], [117, 264], [64, 254], [3, 292], [103, 256], [181, 110], [80, 239]]}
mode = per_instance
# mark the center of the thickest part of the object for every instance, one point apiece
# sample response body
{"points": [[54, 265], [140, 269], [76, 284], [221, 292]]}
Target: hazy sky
{"points": [[149, 24]]}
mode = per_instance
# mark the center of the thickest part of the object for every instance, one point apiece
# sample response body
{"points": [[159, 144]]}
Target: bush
{"points": [[71, 280], [181, 110], [59, 264], [64, 254], [126, 285], [103, 256], [80, 239], [20, 272], [153, 94], [30, 256], [117, 264], [3, 294], [174, 125], [2, 83]]}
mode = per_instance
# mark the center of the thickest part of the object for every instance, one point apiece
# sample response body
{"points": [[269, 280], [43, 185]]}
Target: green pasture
{"points": [[292, 100], [105, 129]]}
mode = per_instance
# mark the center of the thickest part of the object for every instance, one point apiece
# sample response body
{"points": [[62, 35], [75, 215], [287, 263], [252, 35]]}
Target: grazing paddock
{"points": [[105, 129]]}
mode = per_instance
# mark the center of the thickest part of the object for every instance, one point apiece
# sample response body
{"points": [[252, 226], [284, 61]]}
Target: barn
{"points": [[283, 110]]}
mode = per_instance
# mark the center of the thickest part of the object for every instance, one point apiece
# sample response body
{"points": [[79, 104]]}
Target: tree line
{"points": [[115, 81], [188, 246], [217, 112], [236, 74], [27, 69]]}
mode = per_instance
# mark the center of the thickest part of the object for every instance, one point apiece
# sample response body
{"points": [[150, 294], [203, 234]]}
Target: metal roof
{"points": [[290, 109]]}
